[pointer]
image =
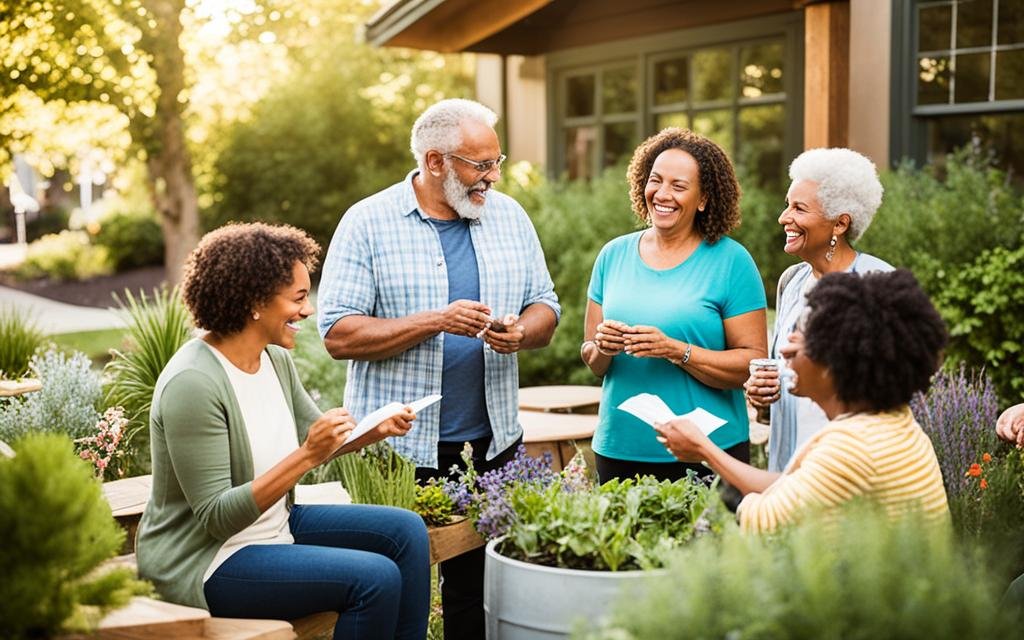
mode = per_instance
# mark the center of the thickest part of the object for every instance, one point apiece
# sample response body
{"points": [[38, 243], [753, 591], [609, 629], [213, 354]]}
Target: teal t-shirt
{"points": [[687, 302]]}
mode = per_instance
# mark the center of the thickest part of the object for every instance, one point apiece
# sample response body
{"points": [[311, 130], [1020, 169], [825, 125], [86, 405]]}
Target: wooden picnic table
{"points": [[560, 398], [556, 433]]}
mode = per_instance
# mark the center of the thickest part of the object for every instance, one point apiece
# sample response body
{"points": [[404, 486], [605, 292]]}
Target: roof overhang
{"points": [[445, 25]]}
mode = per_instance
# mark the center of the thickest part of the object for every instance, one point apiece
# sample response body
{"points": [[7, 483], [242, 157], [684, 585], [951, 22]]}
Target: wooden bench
{"points": [[566, 398]]}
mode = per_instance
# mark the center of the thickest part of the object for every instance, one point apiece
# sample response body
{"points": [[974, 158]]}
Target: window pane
{"points": [[580, 147], [618, 90], [972, 74], [974, 23], [1011, 22], [664, 120], [619, 140], [933, 80], [1010, 75], [759, 152], [580, 96], [712, 79], [761, 69], [935, 24], [716, 125], [671, 81], [1002, 134]]}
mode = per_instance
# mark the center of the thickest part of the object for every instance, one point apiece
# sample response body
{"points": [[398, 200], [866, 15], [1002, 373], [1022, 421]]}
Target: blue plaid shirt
{"points": [[386, 261]]}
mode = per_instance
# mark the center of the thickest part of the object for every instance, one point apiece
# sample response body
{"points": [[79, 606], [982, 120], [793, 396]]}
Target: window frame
{"points": [[908, 122], [644, 53]]}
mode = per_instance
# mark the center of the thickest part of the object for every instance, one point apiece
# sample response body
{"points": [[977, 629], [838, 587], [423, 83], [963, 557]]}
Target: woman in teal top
{"points": [[676, 310]]}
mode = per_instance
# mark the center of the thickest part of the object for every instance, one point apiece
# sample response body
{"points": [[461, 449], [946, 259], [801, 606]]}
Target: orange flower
{"points": [[975, 470], [985, 457], [984, 483]]}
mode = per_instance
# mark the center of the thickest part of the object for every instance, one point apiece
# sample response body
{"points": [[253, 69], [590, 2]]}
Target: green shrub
{"points": [[762, 235], [68, 403], [67, 255], [50, 219], [863, 578], [19, 339], [935, 221], [376, 474], [321, 375], [131, 239], [158, 326], [983, 304], [620, 525], [57, 528]]}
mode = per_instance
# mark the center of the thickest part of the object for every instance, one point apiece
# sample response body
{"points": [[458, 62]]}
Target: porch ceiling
{"points": [[533, 27]]}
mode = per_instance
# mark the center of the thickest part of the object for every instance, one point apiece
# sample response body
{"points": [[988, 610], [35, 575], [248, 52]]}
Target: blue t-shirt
{"points": [[463, 404], [687, 302]]}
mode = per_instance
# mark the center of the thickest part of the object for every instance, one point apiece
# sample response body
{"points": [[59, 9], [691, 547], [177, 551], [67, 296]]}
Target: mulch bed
{"points": [[95, 292]]}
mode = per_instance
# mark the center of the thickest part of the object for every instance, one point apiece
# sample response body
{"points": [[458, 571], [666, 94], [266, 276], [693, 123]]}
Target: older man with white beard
{"points": [[432, 286]]}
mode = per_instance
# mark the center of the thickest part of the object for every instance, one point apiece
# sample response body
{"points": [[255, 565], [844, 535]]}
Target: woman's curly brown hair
{"points": [[878, 334], [239, 267], [717, 179]]}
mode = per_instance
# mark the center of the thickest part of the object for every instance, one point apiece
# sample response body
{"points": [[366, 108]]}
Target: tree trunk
{"points": [[167, 157]]}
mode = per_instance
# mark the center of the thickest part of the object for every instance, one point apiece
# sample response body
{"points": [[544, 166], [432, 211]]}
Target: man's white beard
{"points": [[457, 196]]}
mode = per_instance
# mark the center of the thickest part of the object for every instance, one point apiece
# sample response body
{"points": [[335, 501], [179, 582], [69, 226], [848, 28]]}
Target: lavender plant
{"points": [[959, 414]]}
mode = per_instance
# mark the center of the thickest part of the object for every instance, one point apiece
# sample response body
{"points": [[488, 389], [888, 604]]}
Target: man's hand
{"points": [[466, 318], [651, 342], [505, 336], [683, 439], [1010, 426], [327, 434]]}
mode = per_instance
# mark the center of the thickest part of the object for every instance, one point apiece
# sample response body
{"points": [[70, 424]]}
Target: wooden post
{"points": [[826, 73]]}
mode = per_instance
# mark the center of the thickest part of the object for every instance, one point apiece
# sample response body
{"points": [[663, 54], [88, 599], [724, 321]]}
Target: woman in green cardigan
{"points": [[228, 417]]}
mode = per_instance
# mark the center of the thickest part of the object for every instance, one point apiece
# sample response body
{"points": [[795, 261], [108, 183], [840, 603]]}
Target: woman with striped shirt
{"points": [[860, 351]]}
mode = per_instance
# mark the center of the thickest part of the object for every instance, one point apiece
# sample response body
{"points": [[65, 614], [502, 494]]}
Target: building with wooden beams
{"points": [[579, 82]]}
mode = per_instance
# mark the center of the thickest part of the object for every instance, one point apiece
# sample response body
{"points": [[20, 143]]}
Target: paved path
{"points": [[58, 317]]}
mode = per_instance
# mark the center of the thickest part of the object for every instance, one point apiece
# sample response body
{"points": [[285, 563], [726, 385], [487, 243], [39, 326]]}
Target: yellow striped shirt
{"points": [[883, 456]]}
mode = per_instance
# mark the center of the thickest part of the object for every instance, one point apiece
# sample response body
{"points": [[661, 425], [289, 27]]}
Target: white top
{"points": [[271, 429]]}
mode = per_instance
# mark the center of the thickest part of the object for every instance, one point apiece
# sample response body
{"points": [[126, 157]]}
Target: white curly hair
{"points": [[847, 183], [439, 128]]}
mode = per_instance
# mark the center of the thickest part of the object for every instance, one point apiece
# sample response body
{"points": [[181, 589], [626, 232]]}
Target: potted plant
{"points": [[562, 549]]}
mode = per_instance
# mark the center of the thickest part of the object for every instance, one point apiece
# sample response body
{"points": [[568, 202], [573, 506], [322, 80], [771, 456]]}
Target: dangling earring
{"points": [[256, 314], [831, 253]]}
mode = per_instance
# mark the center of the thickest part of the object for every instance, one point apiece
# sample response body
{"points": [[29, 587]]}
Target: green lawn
{"points": [[95, 344]]}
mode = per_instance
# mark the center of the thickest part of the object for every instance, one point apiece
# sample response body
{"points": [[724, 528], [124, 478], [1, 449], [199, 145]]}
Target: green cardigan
{"points": [[202, 468]]}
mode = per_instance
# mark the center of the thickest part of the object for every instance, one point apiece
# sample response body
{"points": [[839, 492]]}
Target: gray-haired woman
{"points": [[831, 201]]}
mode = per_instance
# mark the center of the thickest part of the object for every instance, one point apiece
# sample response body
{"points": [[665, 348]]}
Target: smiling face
{"points": [[673, 192], [466, 188], [279, 316], [808, 231]]}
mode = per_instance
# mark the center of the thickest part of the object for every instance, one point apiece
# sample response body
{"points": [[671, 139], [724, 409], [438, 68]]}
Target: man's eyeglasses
{"points": [[483, 166]]}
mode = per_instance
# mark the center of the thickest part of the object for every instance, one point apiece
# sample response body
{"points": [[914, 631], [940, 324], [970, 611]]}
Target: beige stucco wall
{"points": [[525, 123], [870, 54]]}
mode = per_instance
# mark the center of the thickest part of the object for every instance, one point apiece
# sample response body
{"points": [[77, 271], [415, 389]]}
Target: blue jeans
{"points": [[370, 564]]}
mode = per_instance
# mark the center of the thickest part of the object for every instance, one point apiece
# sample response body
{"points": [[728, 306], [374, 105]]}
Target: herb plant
{"points": [[376, 474], [19, 340]]}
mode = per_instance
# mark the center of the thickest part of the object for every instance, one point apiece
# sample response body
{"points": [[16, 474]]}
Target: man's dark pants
{"points": [[462, 577]]}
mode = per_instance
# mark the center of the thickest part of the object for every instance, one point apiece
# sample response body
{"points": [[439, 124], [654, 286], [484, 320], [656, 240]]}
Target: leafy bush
{"points": [[68, 402], [762, 235], [376, 474], [131, 239], [158, 326], [67, 255], [49, 220], [321, 375], [19, 339], [632, 524], [57, 528], [983, 304], [865, 577], [937, 220], [434, 505]]}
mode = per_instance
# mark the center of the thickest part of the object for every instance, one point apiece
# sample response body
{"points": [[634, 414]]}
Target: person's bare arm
{"points": [[688, 443], [745, 339], [359, 337]]}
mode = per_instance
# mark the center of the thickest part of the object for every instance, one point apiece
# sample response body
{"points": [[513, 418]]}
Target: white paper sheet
{"points": [[652, 409], [389, 410]]}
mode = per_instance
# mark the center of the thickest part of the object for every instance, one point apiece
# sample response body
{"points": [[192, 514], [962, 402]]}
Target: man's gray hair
{"points": [[847, 183], [439, 128]]}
